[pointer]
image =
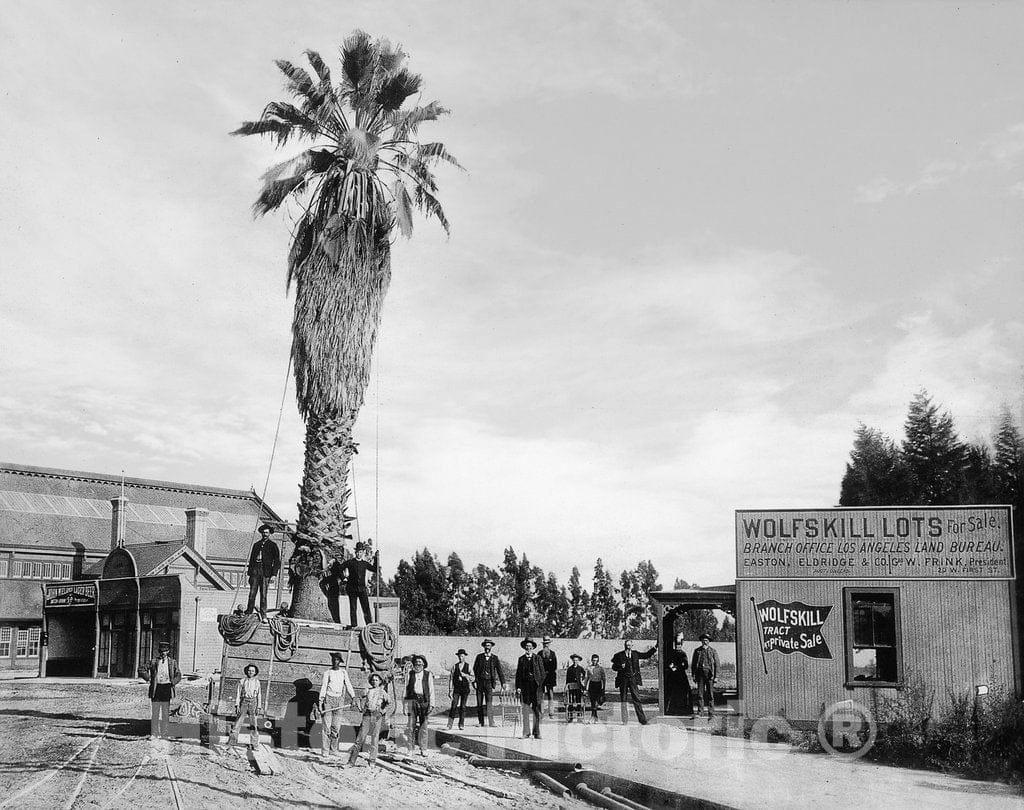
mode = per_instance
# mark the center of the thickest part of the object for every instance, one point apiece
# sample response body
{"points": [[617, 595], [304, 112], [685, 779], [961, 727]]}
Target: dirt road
{"points": [[85, 744]]}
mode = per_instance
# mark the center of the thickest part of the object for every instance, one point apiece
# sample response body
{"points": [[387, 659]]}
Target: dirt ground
{"points": [[84, 744]]}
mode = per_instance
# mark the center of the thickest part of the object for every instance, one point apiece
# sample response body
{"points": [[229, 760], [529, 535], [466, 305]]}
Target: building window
{"points": [[16, 569], [5, 642], [21, 650], [65, 570], [37, 570], [33, 642], [874, 649], [3, 569], [47, 570]]}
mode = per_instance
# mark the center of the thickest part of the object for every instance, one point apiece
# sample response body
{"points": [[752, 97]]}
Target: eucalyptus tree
{"points": [[351, 191]]}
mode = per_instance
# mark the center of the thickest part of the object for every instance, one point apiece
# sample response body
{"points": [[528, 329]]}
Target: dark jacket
{"points": [[530, 673], [172, 671], [460, 679], [628, 667], [488, 671], [705, 663], [356, 570], [550, 666], [676, 666], [575, 675], [264, 559]]}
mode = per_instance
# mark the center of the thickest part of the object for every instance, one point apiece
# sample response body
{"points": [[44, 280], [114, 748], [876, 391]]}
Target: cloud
{"points": [[1002, 150]]}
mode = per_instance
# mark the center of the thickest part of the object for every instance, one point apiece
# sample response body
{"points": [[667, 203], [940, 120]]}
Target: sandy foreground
{"points": [[98, 731]]}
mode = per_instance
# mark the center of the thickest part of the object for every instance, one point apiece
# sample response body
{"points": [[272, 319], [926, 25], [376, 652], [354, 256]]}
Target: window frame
{"points": [[6, 641], [867, 590], [21, 643], [35, 635]]}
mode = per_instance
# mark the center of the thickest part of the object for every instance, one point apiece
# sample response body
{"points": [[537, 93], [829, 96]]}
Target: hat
{"points": [[529, 641], [576, 657], [703, 636], [268, 527], [422, 658], [336, 656], [247, 666], [546, 640], [595, 655], [462, 652], [486, 643], [164, 645], [378, 676], [360, 546]]}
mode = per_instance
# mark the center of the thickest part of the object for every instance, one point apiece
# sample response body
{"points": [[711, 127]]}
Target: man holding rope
{"points": [[264, 563]]}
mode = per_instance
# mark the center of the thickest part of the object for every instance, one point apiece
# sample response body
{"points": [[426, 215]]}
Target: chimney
{"points": [[118, 519], [195, 529]]}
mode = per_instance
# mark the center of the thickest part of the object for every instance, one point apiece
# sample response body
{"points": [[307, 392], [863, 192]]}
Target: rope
{"points": [[285, 633], [377, 644], [237, 628], [266, 483]]}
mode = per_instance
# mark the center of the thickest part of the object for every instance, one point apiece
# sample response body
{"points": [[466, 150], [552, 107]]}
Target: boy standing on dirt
{"points": [[375, 704], [248, 706]]}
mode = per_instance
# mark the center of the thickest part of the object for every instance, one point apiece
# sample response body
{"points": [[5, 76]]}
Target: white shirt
{"points": [[162, 673], [336, 684]]}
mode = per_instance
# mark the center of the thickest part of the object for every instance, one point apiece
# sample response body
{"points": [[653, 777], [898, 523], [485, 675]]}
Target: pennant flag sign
{"points": [[793, 627]]}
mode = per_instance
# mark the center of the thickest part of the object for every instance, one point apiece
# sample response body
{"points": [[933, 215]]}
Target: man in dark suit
{"points": [[626, 663], [530, 675], [164, 675], [489, 675], [264, 563]]}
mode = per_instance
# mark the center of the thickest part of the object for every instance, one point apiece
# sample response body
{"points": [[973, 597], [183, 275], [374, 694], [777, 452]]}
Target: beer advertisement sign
{"points": [[81, 594], [962, 542]]}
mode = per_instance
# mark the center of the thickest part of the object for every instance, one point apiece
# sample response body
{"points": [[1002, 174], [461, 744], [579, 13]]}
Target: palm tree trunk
{"points": [[322, 519]]}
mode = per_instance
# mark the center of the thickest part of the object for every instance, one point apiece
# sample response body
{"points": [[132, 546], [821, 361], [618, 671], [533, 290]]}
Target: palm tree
{"points": [[350, 191]]}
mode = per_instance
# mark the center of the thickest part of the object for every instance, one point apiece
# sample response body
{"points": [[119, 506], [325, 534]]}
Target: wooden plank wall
{"points": [[311, 659], [955, 635]]}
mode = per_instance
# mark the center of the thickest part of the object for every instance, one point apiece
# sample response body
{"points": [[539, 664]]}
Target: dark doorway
{"points": [[117, 644], [71, 643]]}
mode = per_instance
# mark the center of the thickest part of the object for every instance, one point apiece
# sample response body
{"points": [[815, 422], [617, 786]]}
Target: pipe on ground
{"points": [[592, 796], [525, 764], [623, 799], [551, 784]]}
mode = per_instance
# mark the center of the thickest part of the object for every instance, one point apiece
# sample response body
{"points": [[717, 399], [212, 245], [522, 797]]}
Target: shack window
{"points": [[874, 654], [34, 636], [5, 642], [21, 651]]}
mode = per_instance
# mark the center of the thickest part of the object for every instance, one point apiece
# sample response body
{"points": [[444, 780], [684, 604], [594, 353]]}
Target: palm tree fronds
{"points": [[437, 151], [408, 123], [403, 207], [267, 127], [357, 58], [299, 81], [276, 192], [396, 88], [322, 71], [429, 204]]}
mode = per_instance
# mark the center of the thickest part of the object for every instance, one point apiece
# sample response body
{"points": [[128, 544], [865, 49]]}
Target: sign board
{"points": [[208, 614], [956, 542], [793, 627], [81, 594]]}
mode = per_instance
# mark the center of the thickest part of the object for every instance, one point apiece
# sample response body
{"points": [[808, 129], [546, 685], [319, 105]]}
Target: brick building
{"points": [[164, 557]]}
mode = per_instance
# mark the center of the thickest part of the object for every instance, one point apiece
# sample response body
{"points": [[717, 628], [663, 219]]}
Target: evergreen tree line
{"points": [[520, 598], [932, 465]]}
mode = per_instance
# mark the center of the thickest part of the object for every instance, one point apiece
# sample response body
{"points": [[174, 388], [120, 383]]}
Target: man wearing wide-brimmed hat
{"points": [[264, 563], [163, 676], [489, 675], [547, 655], [334, 688], [419, 702], [460, 682], [530, 675]]}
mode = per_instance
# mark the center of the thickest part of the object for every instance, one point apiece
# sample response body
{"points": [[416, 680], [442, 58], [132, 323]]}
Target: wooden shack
{"points": [[860, 605]]}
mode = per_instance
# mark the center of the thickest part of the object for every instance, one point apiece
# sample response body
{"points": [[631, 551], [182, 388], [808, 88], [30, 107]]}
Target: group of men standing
{"points": [[265, 564]]}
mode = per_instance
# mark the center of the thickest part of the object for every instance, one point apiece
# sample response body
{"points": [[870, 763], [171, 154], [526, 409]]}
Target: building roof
{"points": [[153, 559], [48, 508]]}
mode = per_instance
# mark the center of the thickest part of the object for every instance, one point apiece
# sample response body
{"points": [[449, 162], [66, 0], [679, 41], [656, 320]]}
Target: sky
{"points": [[695, 246]]}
